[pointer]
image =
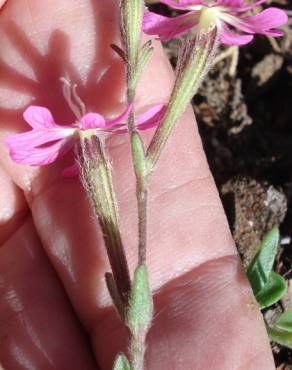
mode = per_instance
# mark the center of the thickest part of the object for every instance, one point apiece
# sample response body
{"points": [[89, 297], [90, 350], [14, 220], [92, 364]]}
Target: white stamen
{"points": [[78, 100], [72, 98]]}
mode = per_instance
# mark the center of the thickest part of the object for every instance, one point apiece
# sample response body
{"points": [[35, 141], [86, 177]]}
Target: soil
{"points": [[244, 115]]}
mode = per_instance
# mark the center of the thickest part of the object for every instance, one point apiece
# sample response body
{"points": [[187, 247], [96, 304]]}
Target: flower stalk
{"points": [[131, 24], [198, 52], [97, 179], [196, 57]]}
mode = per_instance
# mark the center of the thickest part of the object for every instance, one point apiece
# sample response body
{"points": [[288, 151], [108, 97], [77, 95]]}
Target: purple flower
{"points": [[227, 14], [47, 141]]}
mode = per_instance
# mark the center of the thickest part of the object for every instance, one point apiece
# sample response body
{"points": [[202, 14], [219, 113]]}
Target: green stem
{"points": [[131, 22], [142, 198], [137, 350]]}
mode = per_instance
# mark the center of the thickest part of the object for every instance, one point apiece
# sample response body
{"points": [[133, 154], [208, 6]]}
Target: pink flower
{"points": [[48, 141], [227, 14]]}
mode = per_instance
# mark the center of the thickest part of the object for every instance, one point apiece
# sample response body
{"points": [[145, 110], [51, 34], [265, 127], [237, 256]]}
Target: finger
{"points": [[12, 205], [37, 326], [2, 2], [203, 319], [187, 225], [50, 196], [38, 329]]}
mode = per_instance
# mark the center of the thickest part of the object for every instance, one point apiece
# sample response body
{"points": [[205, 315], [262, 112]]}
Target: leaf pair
{"points": [[282, 330], [268, 286]]}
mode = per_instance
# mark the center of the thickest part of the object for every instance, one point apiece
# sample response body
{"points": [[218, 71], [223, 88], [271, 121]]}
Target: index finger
{"points": [[192, 259]]}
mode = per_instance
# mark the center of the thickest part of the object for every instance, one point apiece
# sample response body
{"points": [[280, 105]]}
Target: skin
{"points": [[55, 312]]}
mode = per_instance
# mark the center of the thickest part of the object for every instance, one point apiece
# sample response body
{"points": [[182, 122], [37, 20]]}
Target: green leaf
{"points": [[258, 271], [138, 154], [144, 56], [141, 305], [273, 290], [196, 57], [145, 52], [284, 321], [119, 51], [121, 363], [282, 337]]}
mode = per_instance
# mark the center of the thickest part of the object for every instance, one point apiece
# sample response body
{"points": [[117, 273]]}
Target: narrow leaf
{"points": [[284, 321], [146, 48], [121, 363], [273, 290], [138, 154], [141, 305], [144, 57], [119, 51], [282, 337], [259, 269]]}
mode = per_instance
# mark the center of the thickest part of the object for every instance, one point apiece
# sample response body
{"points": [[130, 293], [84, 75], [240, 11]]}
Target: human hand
{"points": [[52, 261]]}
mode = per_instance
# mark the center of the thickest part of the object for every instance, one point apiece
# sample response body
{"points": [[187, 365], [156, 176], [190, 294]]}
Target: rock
{"points": [[287, 299], [263, 71], [220, 102], [252, 208]]}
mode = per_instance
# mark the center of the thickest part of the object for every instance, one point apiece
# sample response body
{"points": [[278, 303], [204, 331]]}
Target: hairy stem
{"points": [[140, 316], [195, 60], [142, 197], [97, 178], [140, 308], [141, 183], [137, 350]]}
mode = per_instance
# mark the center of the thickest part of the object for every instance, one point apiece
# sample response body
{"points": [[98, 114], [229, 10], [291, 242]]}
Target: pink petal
{"points": [[266, 21], [122, 117], [41, 156], [39, 117], [150, 113], [71, 171], [228, 37], [231, 3], [92, 120], [33, 138], [244, 8], [182, 4], [145, 121], [262, 23], [151, 118], [167, 28]]}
